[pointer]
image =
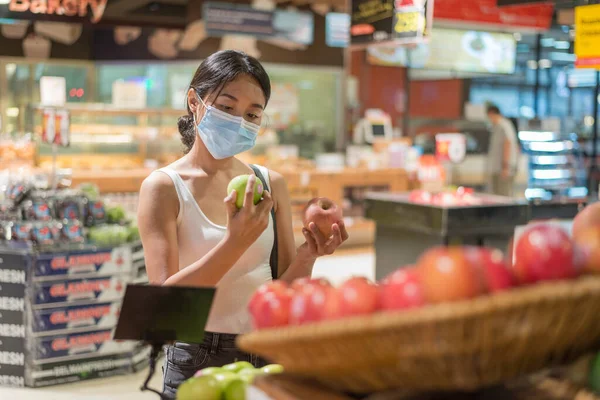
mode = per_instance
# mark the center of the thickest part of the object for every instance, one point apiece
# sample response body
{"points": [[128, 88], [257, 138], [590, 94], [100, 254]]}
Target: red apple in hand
{"points": [[544, 253], [589, 217], [357, 296], [324, 213], [448, 275], [401, 290], [492, 268], [587, 242]]}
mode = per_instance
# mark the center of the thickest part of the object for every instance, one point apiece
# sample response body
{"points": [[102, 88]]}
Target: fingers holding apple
{"points": [[324, 227]]}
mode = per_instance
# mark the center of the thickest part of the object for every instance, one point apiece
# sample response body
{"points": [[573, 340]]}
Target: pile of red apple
{"points": [[545, 252], [461, 197]]}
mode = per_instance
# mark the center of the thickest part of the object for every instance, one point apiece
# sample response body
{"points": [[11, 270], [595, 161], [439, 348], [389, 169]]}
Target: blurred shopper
{"points": [[192, 237], [503, 153]]}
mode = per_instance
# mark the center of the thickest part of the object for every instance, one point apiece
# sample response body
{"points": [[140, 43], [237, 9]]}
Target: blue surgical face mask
{"points": [[225, 135]]}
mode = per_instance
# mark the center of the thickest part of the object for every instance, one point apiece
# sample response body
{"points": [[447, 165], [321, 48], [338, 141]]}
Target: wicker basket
{"points": [[459, 346]]}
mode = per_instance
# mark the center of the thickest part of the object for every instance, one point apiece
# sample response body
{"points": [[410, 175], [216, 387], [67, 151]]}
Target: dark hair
{"points": [[212, 75], [492, 109]]}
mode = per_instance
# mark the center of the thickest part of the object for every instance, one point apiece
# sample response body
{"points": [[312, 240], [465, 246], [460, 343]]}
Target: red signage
{"points": [[67, 8], [532, 16]]}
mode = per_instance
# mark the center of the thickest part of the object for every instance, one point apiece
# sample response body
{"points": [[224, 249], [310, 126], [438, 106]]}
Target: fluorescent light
{"points": [[545, 64], [547, 42], [562, 45]]}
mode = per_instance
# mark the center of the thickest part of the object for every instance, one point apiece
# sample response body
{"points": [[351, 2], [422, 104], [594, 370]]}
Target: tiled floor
{"points": [[336, 268]]}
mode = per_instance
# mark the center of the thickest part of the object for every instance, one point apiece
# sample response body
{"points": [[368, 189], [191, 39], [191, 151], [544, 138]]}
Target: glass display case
{"points": [[556, 166]]}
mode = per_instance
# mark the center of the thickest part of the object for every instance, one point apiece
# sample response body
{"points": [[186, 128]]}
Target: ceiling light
{"points": [[545, 64]]}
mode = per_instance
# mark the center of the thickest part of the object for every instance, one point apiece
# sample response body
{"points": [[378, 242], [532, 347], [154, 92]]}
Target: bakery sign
{"points": [[59, 10]]}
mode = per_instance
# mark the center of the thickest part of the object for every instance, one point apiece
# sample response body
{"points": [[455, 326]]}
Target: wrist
{"points": [[233, 243]]}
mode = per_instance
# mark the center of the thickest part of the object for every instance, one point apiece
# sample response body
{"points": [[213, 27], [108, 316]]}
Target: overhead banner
{"points": [[234, 19], [587, 36], [390, 21], [54, 10]]}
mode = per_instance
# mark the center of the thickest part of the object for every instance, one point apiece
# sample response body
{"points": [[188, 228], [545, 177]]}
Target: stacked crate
{"points": [[57, 315]]}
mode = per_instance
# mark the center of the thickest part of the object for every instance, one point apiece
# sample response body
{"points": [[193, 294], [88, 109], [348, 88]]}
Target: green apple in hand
{"points": [[237, 366], [203, 387], [273, 369], [239, 184]]}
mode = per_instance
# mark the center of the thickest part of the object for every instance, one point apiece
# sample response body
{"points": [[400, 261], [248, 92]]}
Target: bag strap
{"points": [[274, 261]]}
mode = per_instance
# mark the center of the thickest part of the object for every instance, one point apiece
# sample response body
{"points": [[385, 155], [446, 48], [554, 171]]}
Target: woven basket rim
{"points": [[354, 326]]}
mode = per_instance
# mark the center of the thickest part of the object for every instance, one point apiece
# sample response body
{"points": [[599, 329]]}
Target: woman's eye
{"points": [[225, 108], [253, 116]]}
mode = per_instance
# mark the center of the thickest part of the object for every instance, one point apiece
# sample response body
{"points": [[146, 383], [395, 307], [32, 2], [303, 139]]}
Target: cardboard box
{"points": [[90, 316], [79, 290], [74, 263]]}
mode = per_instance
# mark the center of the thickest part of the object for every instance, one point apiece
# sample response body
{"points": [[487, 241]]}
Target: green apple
{"points": [[224, 377], [239, 184], [235, 390], [237, 366], [203, 387], [249, 375], [594, 377], [209, 371], [273, 369]]}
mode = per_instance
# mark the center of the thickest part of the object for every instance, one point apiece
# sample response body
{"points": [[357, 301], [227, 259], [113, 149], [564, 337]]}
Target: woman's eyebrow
{"points": [[255, 105]]}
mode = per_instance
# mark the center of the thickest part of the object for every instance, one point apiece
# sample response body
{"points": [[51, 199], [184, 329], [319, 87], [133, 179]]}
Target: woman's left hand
{"points": [[319, 245]]}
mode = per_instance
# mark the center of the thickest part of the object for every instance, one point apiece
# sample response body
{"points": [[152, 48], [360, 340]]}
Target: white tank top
{"points": [[197, 235]]}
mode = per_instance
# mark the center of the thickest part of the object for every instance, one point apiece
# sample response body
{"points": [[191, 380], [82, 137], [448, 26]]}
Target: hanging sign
{"points": [[59, 10], [56, 127], [222, 19], [390, 22], [587, 36]]}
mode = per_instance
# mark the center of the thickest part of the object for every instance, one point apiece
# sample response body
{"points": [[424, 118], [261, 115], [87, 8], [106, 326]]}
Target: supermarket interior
{"points": [[424, 222]]}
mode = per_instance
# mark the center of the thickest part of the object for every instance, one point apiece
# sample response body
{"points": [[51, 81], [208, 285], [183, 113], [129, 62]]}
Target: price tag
{"points": [[407, 22], [56, 127], [450, 147]]}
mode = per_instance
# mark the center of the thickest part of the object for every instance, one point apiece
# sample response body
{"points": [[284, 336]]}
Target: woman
{"points": [[192, 237]]}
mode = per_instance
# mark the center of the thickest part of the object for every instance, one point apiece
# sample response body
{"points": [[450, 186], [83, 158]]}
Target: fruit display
{"points": [[545, 252], [452, 197], [228, 382], [33, 214], [323, 213], [239, 184]]}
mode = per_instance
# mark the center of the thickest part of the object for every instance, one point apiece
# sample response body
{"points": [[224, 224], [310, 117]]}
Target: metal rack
{"points": [[556, 166]]}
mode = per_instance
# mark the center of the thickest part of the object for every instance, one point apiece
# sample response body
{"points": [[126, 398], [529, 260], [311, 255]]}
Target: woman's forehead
{"points": [[245, 87]]}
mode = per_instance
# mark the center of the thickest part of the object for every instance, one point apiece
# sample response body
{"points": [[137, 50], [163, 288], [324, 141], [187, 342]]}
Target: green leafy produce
{"points": [[115, 214], [90, 190]]}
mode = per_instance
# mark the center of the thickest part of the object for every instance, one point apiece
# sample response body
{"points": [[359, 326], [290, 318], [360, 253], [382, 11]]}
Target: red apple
{"points": [[492, 267], [308, 281], [324, 213], [272, 310], [587, 242], [544, 252], [447, 275], [331, 307], [588, 217], [401, 290], [307, 304], [357, 296], [274, 286]]}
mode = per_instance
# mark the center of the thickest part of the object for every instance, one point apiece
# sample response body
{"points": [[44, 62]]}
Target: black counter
{"points": [[404, 230]]}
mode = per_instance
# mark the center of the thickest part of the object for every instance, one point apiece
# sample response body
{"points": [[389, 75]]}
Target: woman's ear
{"points": [[192, 101]]}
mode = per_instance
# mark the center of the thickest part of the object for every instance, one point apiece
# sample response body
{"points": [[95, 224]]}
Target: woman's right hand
{"points": [[245, 225]]}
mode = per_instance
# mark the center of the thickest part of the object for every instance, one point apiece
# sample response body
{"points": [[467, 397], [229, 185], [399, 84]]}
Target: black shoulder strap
{"points": [[274, 261]]}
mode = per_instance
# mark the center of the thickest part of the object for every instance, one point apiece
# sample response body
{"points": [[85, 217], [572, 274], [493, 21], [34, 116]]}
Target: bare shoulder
{"points": [[158, 188], [277, 181]]}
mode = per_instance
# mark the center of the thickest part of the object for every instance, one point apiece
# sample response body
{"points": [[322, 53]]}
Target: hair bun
{"points": [[187, 131]]}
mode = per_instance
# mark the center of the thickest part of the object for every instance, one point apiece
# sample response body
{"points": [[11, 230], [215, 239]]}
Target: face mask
{"points": [[225, 135]]}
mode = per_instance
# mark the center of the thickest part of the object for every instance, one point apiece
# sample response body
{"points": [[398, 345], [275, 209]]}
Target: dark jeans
{"points": [[183, 360]]}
